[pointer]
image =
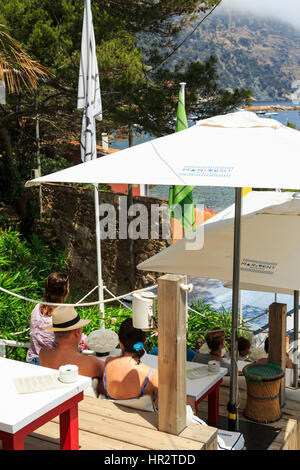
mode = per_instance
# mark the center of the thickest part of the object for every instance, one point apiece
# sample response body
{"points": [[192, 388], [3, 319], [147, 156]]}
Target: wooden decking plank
{"points": [[106, 426], [275, 446], [32, 443], [87, 440], [111, 410], [288, 427], [199, 433], [289, 424], [133, 434]]}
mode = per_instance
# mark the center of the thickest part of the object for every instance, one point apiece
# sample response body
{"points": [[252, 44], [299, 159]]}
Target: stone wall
{"points": [[9, 217], [68, 213]]}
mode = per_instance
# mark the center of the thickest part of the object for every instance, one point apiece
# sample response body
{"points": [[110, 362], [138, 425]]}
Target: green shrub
{"points": [[291, 125], [24, 267], [208, 318]]}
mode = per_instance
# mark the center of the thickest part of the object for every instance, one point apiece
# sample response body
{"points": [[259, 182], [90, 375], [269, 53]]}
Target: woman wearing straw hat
{"points": [[67, 327]]}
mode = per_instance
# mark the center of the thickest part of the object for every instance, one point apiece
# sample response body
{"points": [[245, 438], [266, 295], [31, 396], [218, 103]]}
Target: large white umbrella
{"points": [[270, 254], [237, 150]]}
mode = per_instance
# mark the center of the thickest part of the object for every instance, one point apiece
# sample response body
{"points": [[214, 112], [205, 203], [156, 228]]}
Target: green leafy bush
{"points": [[24, 267], [206, 319]]}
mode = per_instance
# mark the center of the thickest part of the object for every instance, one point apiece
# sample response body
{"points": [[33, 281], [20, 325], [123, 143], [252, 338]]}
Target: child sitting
{"points": [[244, 346]]}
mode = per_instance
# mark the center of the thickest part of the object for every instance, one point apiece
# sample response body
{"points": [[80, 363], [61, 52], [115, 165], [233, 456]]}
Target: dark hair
{"points": [[267, 344], [129, 336], [56, 290], [243, 344], [214, 338]]}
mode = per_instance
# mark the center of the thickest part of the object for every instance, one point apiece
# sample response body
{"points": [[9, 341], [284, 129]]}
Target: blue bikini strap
{"points": [[146, 381], [108, 396]]}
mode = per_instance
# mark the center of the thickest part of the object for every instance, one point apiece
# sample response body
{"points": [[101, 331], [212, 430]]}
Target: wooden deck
{"points": [[106, 426], [288, 427]]}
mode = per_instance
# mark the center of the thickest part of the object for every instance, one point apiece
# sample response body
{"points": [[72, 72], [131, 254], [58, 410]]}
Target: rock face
{"points": [[70, 224], [259, 53]]}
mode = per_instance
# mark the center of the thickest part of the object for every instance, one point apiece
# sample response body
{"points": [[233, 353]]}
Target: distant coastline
{"points": [[271, 108]]}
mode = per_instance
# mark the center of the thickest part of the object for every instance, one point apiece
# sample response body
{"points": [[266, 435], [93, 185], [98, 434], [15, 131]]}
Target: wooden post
{"points": [[171, 354], [277, 341]]}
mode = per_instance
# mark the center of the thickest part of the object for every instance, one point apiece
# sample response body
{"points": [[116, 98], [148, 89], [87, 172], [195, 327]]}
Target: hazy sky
{"points": [[287, 10]]}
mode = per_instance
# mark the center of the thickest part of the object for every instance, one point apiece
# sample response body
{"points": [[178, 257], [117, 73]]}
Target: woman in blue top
{"points": [[126, 377]]}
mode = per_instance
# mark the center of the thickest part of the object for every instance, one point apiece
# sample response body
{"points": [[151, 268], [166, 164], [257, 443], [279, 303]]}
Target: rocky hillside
{"points": [[258, 53]]}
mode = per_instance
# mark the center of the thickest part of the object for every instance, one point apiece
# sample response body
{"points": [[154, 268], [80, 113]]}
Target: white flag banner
{"points": [[89, 95], [2, 92]]}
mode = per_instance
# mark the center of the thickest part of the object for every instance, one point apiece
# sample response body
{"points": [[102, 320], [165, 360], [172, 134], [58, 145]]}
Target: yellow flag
{"points": [[246, 191]]}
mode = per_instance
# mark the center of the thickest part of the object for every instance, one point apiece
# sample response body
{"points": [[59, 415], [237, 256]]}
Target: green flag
{"points": [[181, 204]]}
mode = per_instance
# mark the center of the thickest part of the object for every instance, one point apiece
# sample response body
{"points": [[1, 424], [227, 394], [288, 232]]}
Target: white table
{"points": [[196, 389], [21, 414]]}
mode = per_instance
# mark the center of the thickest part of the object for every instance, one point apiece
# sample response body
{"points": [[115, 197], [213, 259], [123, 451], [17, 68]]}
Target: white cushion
{"points": [[292, 394], [230, 440], [193, 418], [143, 403], [92, 391], [227, 440]]}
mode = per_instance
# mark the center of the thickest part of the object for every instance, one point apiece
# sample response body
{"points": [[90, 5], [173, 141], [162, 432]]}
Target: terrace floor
{"points": [[283, 434], [106, 426]]}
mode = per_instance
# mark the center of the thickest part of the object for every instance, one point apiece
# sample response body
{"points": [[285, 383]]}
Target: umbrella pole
{"points": [[98, 245], [296, 334], [232, 404]]}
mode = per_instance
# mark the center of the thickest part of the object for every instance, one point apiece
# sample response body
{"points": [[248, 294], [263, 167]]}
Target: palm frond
{"points": [[16, 66]]}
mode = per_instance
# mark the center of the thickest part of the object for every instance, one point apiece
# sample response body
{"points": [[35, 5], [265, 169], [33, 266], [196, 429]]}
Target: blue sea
{"points": [[218, 198]]}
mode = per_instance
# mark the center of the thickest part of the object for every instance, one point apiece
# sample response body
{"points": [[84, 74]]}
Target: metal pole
{"points": [[98, 245], [241, 309], [296, 334], [182, 84], [232, 405], [37, 138]]}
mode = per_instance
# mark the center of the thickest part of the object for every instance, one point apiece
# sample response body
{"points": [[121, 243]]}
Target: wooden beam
{"points": [[277, 340], [171, 354]]}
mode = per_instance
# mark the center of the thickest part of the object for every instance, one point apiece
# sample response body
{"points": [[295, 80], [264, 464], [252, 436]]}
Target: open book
{"points": [[37, 383], [197, 372]]}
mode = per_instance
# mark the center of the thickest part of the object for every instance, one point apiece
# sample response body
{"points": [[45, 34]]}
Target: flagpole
{"points": [[89, 98], [232, 405], [99, 264], [182, 85]]}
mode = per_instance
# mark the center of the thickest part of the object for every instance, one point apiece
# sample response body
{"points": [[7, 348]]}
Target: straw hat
{"points": [[66, 319]]}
